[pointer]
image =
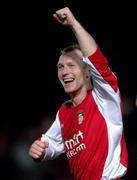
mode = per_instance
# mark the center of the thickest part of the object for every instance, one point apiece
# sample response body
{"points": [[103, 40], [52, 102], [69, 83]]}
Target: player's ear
{"points": [[88, 75]]}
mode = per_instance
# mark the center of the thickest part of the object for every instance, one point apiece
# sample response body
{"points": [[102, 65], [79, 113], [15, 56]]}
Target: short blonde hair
{"points": [[70, 48]]}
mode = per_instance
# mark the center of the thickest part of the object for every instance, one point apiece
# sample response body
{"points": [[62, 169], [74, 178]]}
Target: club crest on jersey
{"points": [[80, 116]]}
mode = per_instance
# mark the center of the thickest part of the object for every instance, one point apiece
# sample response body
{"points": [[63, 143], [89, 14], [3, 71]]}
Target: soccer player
{"points": [[88, 127]]}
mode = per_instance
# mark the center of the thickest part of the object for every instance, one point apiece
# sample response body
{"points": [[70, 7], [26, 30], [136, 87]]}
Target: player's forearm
{"points": [[85, 40]]}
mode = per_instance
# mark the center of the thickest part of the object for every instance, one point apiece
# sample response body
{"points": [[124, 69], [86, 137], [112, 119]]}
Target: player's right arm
{"points": [[50, 145], [86, 42]]}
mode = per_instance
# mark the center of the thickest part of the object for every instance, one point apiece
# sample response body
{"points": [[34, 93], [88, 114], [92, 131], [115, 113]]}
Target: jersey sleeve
{"points": [[103, 77], [54, 137], [105, 87]]}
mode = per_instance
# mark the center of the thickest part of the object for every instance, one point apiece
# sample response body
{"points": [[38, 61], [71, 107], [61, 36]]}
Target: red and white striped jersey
{"points": [[91, 133]]}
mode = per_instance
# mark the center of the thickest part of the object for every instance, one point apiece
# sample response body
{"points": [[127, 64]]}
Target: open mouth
{"points": [[68, 80]]}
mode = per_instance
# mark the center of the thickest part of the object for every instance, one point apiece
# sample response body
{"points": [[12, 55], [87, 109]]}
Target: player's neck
{"points": [[78, 96]]}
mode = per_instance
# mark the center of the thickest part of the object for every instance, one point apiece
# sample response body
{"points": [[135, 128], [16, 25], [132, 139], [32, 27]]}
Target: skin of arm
{"points": [[85, 40]]}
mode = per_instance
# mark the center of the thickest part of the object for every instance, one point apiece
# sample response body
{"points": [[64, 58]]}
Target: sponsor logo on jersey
{"points": [[75, 145]]}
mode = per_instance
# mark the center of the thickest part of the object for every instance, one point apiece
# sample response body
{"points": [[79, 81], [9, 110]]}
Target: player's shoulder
{"points": [[67, 104], [65, 108]]}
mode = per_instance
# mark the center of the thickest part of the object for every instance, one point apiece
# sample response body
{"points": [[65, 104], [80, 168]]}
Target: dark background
{"points": [[30, 91]]}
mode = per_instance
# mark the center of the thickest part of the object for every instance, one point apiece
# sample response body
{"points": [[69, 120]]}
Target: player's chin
{"points": [[69, 90]]}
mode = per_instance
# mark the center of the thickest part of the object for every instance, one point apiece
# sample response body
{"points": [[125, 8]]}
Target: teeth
{"points": [[68, 80]]}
